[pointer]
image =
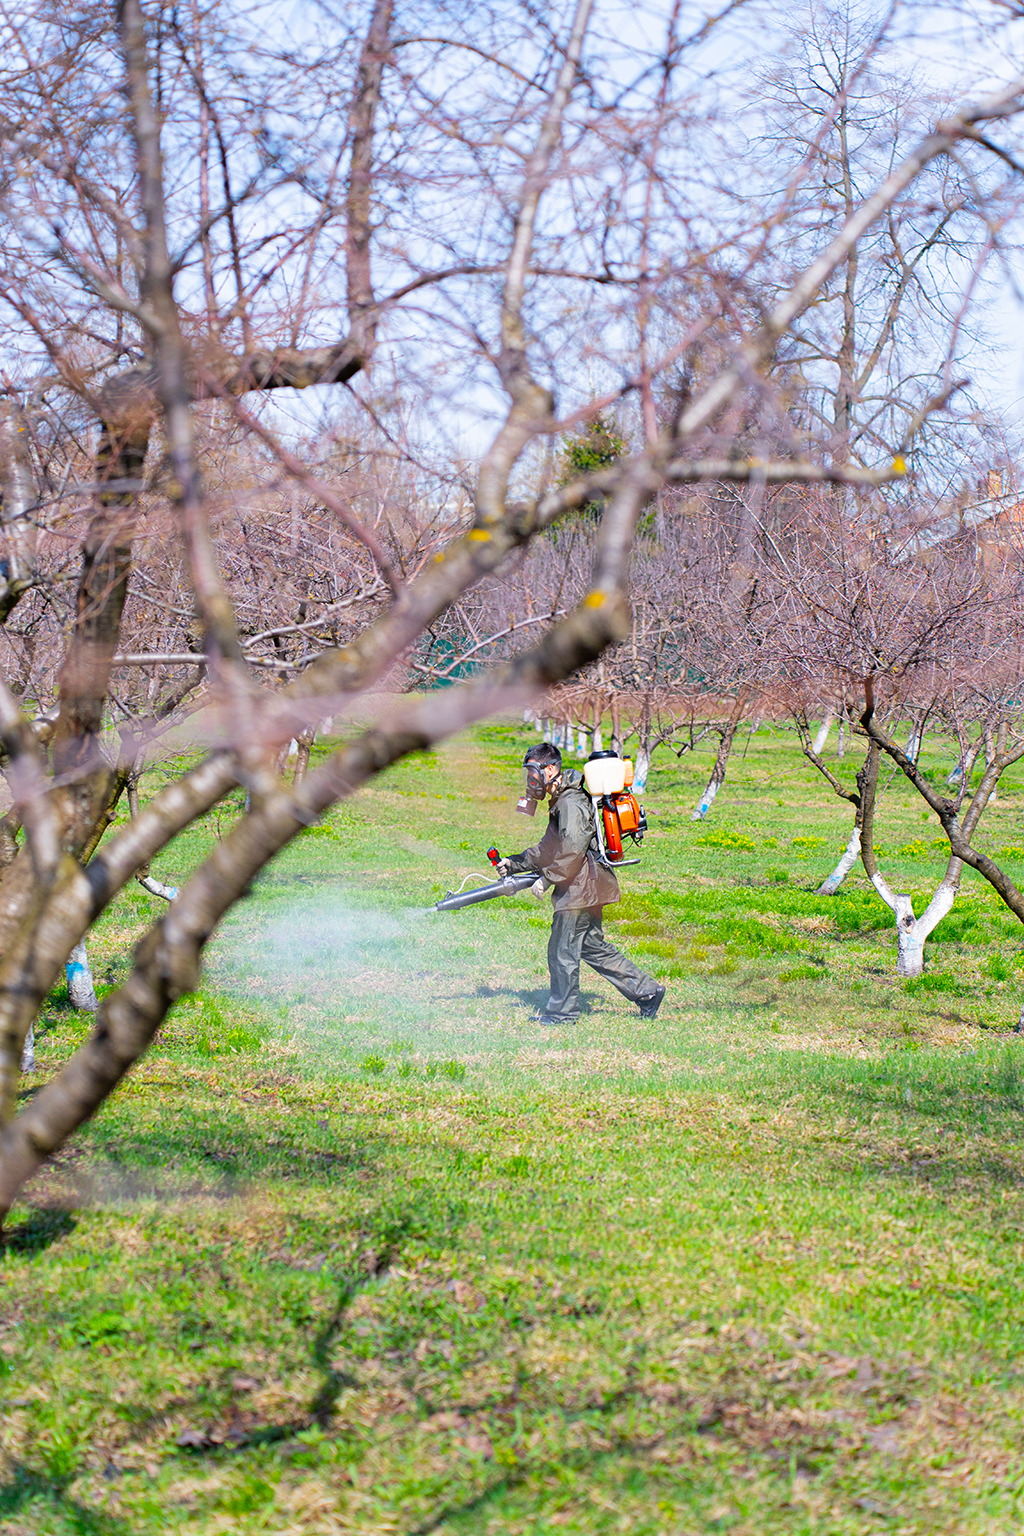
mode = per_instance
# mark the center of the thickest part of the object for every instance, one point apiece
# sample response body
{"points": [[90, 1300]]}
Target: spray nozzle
{"points": [[494, 856]]}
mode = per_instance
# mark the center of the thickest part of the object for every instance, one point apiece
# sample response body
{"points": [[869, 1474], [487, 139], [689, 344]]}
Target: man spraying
{"points": [[568, 857]]}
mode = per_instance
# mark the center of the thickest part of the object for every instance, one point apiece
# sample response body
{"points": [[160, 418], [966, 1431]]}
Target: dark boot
{"points": [[650, 1005]]}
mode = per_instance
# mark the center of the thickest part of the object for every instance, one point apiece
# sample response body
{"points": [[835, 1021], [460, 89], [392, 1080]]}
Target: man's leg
{"points": [[612, 964], [564, 945]]}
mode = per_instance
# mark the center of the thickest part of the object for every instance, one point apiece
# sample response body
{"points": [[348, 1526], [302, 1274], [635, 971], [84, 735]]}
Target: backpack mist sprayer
{"points": [[618, 814], [508, 885]]}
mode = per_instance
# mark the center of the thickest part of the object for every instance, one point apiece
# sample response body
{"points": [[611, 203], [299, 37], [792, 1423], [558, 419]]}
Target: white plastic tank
{"points": [[605, 775]]}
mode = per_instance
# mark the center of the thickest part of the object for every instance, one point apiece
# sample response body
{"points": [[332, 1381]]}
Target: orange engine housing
{"points": [[628, 812], [621, 816]]}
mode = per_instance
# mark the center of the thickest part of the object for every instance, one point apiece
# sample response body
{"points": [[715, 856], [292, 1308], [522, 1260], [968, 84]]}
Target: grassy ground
{"points": [[359, 1248]]}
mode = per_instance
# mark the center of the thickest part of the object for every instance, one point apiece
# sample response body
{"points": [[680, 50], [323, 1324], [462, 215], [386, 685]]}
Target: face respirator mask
{"points": [[536, 787]]}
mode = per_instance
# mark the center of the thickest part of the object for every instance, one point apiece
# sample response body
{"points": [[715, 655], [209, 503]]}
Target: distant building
{"points": [[994, 514]]}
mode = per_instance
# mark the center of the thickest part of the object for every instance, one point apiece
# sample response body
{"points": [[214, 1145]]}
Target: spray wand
{"points": [[508, 885]]}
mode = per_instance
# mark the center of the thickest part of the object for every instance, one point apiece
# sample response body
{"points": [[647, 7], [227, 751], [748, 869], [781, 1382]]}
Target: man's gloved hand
{"points": [[539, 888], [503, 868]]}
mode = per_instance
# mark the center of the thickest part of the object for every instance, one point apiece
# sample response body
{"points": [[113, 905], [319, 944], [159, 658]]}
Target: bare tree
{"points": [[999, 673], [938, 637]]}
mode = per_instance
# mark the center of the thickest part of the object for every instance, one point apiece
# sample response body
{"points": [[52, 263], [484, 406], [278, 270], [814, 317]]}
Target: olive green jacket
{"points": [[567, 854]]}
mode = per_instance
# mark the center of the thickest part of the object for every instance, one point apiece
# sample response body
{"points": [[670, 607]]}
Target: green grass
{"points": [[359, 1248]]}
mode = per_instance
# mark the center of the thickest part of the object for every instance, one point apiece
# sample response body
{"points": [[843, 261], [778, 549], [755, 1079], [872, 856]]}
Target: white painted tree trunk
{"points": [[707, 800], [911, 931], [914, 744], [822, 736], [851, 854], [596, 739], [640, 770], [28, 1051], [909, 946], [81, 992], [157, 887], [582, 744], [718, 772], [545, 726], [841, 738]]}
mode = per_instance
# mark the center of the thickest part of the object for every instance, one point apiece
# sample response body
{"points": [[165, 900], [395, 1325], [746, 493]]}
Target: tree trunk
{"points": [[642, 766], [81, 992], [911, 932], [616, 741], [909, 939], [851, 854], [102, 588], [823, 730], [17, 499], [146, 880], [305, 747], [717, 778]]}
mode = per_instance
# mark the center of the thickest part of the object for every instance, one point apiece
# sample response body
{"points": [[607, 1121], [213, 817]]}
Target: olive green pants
{"points": [[577, 936]]}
